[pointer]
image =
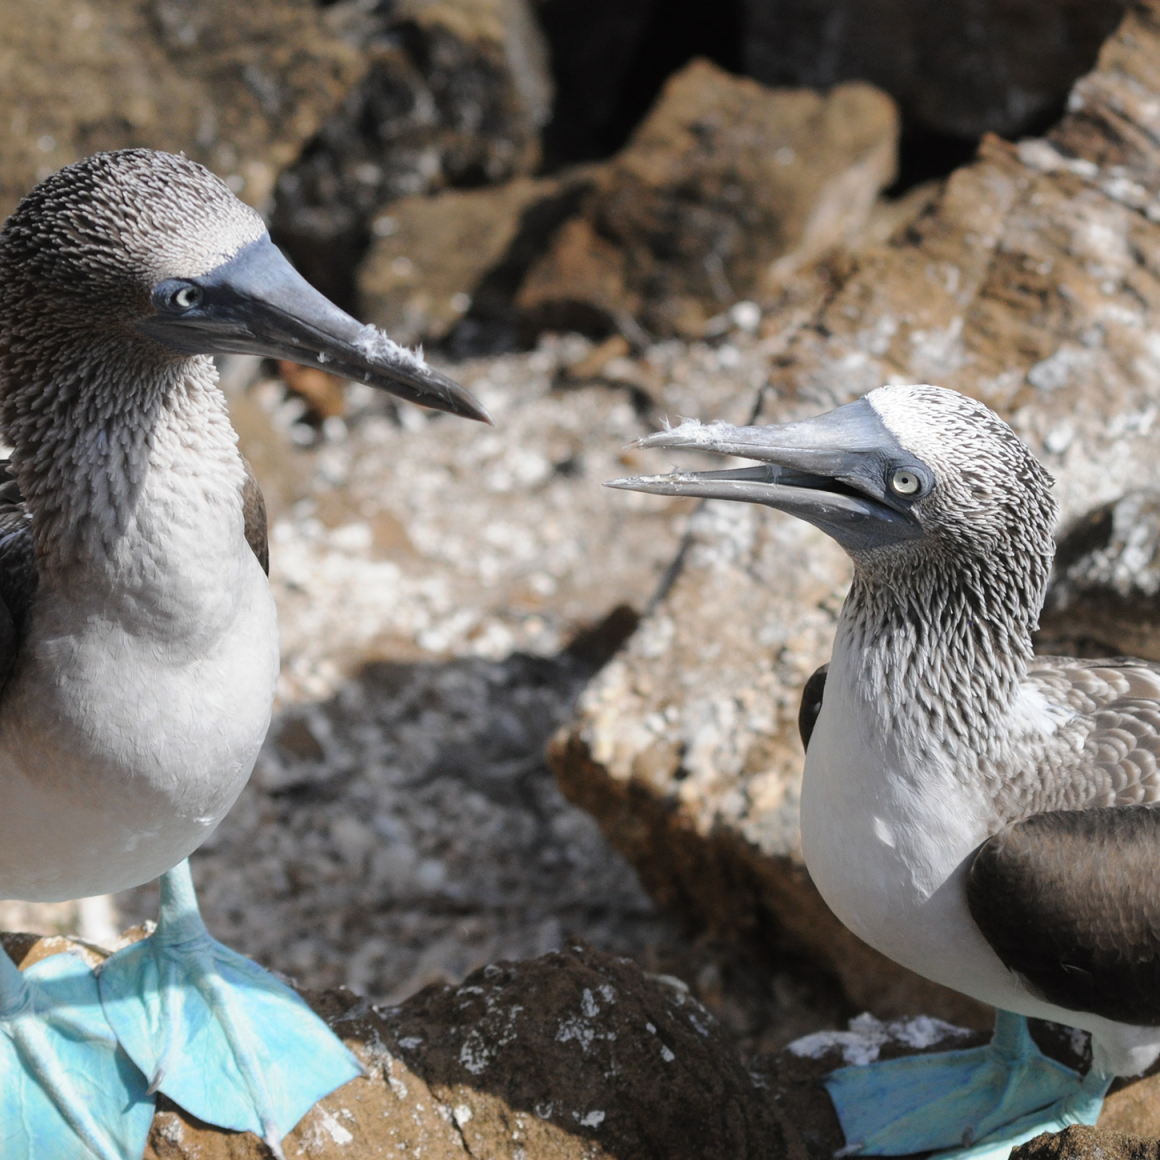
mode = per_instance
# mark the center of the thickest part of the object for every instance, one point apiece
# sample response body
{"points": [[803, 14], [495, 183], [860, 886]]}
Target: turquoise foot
{"points": [[977, 1104], [67, 1090], [215, 1032]]}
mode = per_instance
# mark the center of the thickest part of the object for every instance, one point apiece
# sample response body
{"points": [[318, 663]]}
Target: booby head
{"points": [[945, 512], [154, 251], [904, 470]]}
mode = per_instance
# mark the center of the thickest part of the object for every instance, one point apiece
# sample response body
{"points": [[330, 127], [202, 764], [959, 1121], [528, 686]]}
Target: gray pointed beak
{"points": [[257, 303], [833, 472]]}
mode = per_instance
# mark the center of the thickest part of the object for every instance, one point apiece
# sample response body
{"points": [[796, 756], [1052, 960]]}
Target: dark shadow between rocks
{"points": [[494, 325]]}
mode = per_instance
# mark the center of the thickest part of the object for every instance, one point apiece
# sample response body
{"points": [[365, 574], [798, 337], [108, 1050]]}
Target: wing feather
{"points": [[811, 705], [1071, 901], [18, 575], [254, 514]]}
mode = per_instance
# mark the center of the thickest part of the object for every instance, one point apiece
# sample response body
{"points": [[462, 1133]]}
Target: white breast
{"points": [[140, 699], [888, 845]]}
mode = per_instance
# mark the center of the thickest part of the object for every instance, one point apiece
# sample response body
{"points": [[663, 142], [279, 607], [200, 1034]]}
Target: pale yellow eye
{"points": [[187, 296], [905, 482]]}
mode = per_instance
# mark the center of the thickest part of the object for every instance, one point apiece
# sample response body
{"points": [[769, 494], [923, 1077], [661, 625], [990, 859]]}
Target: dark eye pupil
{"points": [[187, 296]]}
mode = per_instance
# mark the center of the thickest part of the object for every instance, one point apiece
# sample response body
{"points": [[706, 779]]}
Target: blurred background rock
{"points": [[601, 214]]}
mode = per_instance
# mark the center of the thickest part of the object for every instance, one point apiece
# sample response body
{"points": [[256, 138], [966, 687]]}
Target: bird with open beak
{"points": [[139, 640], [981, 815]]}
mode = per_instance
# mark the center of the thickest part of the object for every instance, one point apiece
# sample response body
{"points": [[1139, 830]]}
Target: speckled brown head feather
{"points": [[80, 388]]}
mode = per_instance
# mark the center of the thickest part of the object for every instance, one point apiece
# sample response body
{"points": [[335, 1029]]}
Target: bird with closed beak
{"points": [[983, 816], [139, 641]]}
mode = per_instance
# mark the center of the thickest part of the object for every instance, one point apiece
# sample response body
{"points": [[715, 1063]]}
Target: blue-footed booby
{"points": [[139, 641], [981, 815]]}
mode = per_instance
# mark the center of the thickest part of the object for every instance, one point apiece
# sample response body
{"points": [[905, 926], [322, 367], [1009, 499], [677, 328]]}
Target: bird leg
{"points": [[977, 1103], [215, 1032], [67, 1089]]}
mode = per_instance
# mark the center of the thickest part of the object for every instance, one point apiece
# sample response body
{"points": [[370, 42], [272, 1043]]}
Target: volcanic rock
{"points": [[1031, 283], [456, 94], [1079, 1142], [573, 1056], [1104, 598], [723, 190], [238, 87], [459, 253]]}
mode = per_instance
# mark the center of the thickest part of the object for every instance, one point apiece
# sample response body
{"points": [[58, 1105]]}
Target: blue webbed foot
{"points": [[977, 1103], [215, 1032], [67, 1090]]}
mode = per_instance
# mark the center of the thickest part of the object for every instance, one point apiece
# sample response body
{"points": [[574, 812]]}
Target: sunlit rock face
{"points": [[240, 88]]}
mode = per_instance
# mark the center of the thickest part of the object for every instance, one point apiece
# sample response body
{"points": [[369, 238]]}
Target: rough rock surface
{"points": [[431, 255], [401, 534], [1080, 1142], [239, 87], [957, 66], [575, 1056], [456, 94], [1104, 593], [724, 189], [1032, 283]]}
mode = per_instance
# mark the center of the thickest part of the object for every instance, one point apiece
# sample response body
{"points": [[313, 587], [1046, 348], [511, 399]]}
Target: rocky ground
{"points": [[578, 1055]]}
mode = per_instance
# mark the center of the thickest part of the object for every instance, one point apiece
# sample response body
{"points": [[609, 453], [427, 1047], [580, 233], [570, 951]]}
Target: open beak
{"points": [[831, 471], [257, 303]]}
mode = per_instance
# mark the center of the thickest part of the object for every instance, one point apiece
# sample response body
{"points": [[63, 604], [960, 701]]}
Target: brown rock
{"points": [[456, 95], [955, 66], [1104, 598], [238, 87], [579, 1053], [1080, 1142], [580, 283], [323, 393], [574, 1056], [1133, 1106], [724, 189], [1030, 283], [431, 255]]}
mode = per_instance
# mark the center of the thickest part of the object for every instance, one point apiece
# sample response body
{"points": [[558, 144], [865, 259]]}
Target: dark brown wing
{"points": [[1071, 901], [18, 575], [254, 513], [811, 704]]}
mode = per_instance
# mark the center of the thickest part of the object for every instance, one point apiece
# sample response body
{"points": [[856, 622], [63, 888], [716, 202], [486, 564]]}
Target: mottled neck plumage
{"points": [[86, 430], [941, 646]]}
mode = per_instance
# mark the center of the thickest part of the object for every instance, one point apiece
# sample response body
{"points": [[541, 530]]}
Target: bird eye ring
{"points": [[186, 297], [903, 482]]}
